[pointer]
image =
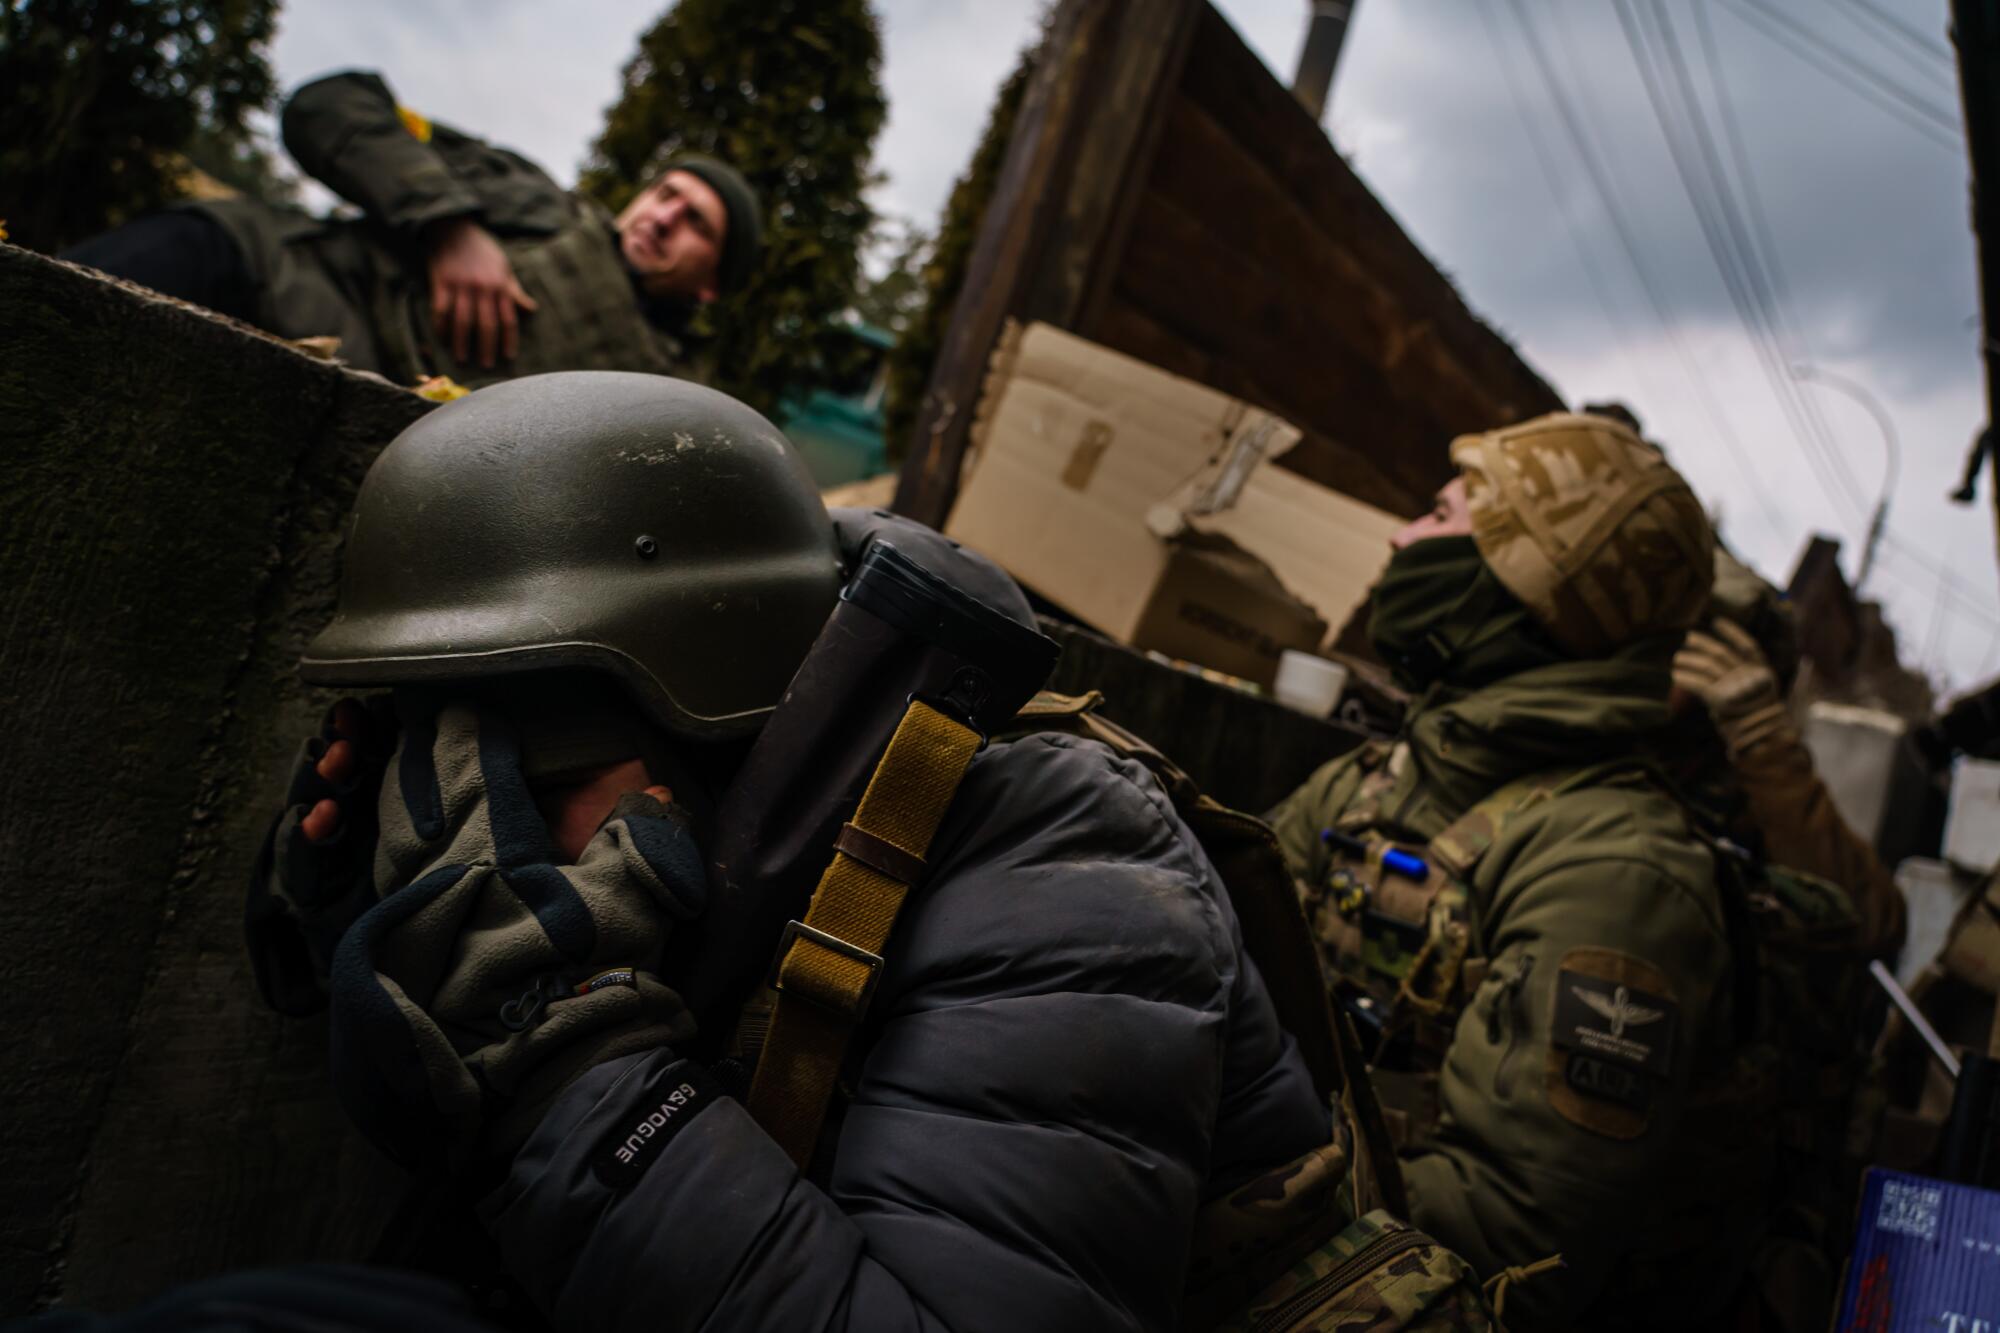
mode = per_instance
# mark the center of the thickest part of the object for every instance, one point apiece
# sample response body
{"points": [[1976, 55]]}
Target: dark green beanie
{"points": [[744, 240]]}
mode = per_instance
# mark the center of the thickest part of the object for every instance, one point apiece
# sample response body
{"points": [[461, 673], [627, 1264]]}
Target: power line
{"points": [[1770, 296], [1859, 67], [1968, 597], [1776, 292], [1965, 598], [1600, 181], [1682, 123], [1911, 610], [1923, 69], [1545, 159], [1907, 31], [1947, 586], [1830, 60], [1937, 626]]}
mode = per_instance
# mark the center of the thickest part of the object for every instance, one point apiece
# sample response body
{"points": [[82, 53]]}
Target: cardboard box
{"points": [[1144, 504], [1216, 604]]}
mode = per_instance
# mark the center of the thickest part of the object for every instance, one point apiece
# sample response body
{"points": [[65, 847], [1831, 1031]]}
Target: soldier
{"points": [[468, 261], [1062, 1058], [1520, 912]]}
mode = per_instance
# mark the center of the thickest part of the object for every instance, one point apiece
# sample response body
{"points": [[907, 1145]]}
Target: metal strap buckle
{"points": [[799, 930]]}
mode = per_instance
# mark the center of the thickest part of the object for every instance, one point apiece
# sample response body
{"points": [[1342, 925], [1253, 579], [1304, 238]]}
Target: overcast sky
{"points": [[1444, 109]]}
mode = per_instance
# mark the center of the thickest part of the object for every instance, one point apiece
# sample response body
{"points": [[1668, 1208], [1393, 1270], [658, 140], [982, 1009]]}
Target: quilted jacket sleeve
{"points": [[1063, 1036], [345, 132]]}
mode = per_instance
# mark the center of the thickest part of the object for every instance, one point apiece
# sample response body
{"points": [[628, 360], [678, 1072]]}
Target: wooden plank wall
{"points": [[1260, 264], [1233, 245]]}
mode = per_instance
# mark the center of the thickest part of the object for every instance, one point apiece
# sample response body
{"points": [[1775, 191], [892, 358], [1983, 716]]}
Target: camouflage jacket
{"points": [[1775, 786], [1570, 1093], [366, 282]]}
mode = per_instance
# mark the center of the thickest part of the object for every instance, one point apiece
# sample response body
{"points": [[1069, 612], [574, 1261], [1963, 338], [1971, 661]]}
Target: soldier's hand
{"points": [[351, 727], [312, 878], [489, 974], [1727, 670], [474, 293]]}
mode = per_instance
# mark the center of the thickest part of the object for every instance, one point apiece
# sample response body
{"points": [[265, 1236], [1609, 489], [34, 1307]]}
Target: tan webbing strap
{"points": [[827, 964]]}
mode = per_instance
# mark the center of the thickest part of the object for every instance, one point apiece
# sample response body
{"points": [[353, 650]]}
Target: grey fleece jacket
{"points": [[1067, 1054]]}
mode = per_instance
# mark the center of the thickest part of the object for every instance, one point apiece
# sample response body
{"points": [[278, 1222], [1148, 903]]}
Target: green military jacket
{"points": [[1579, 1070], [365, 281]]}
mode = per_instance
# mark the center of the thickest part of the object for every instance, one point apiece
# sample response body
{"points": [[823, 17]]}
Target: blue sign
{"points": [[1926, 1256]]}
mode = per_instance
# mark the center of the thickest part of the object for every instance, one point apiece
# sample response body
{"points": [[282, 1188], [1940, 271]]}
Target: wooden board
{"points": [[1221, 237]]}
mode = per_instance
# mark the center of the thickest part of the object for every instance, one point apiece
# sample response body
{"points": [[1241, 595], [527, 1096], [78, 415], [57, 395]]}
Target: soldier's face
{"points": [[576, 808], [672, 236], [1450, 516]]}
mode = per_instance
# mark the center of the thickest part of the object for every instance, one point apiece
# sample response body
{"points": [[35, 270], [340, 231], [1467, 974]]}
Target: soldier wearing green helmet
{"points": [[1533, 938], [651, 699]]}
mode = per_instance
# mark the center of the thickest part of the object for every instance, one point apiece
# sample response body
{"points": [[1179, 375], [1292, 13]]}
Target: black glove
{"points": [[489, 977], [304, 894]]}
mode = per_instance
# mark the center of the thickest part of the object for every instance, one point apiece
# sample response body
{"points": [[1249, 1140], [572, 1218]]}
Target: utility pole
{"points": [[1326, 32], [1892, 455], [1975, 32]]}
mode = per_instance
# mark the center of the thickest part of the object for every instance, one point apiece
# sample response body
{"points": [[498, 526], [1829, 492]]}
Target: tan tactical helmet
{"points": [[1590, 527]]}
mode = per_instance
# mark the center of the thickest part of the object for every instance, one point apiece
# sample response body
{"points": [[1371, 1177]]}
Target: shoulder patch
{"points": [[1611, 1040]]}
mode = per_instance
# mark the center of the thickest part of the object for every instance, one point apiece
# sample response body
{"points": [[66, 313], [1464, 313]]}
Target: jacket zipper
{"points": [[1372, 1255]]}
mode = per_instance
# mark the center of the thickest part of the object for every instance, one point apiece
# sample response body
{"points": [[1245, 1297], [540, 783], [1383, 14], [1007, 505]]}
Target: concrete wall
{"points": [[170, 493]]}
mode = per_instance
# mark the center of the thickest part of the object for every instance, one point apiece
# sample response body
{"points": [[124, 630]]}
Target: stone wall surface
{"points": [[171, 492]]}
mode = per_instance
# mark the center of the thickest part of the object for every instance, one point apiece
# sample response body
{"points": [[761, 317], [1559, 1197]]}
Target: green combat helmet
{"points": [[1590, 527], [635, 524]]}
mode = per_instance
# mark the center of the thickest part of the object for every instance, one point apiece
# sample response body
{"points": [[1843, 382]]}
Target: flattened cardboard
{"points": [[1218, 605], [1074, 446]]}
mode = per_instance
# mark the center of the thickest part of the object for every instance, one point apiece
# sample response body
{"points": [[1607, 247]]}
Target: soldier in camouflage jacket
{"points": [[467, 259], [1533, 937]]}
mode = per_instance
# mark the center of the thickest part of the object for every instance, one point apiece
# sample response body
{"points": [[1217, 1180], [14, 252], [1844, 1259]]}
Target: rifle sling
{"points": [[827, 964]]}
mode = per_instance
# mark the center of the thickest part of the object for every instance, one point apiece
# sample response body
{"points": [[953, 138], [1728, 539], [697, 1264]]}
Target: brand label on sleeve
{"points": [[674, 1097]]}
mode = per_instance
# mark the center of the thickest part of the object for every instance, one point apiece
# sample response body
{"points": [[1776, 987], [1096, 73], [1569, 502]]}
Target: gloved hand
{"points": [[1728, 672], [305, 893], [489, 977]]}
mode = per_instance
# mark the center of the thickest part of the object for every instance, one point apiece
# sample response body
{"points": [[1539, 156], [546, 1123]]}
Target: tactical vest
{"points": [[1399, 926], [1400, 923], [588, 314]]}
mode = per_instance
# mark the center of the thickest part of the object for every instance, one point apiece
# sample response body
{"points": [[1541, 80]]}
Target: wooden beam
{"points": [[1975, 30], [1227, 81], [1085, 132]]}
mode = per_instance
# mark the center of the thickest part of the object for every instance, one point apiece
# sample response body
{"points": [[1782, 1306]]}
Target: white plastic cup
{"points": [[1308, 683]]}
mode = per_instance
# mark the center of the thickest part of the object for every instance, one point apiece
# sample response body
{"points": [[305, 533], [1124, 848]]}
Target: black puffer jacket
{"points": [[1067, 1054]]}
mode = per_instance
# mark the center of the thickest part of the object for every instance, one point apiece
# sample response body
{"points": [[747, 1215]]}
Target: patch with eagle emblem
{"points": [[1611, 1040]]}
